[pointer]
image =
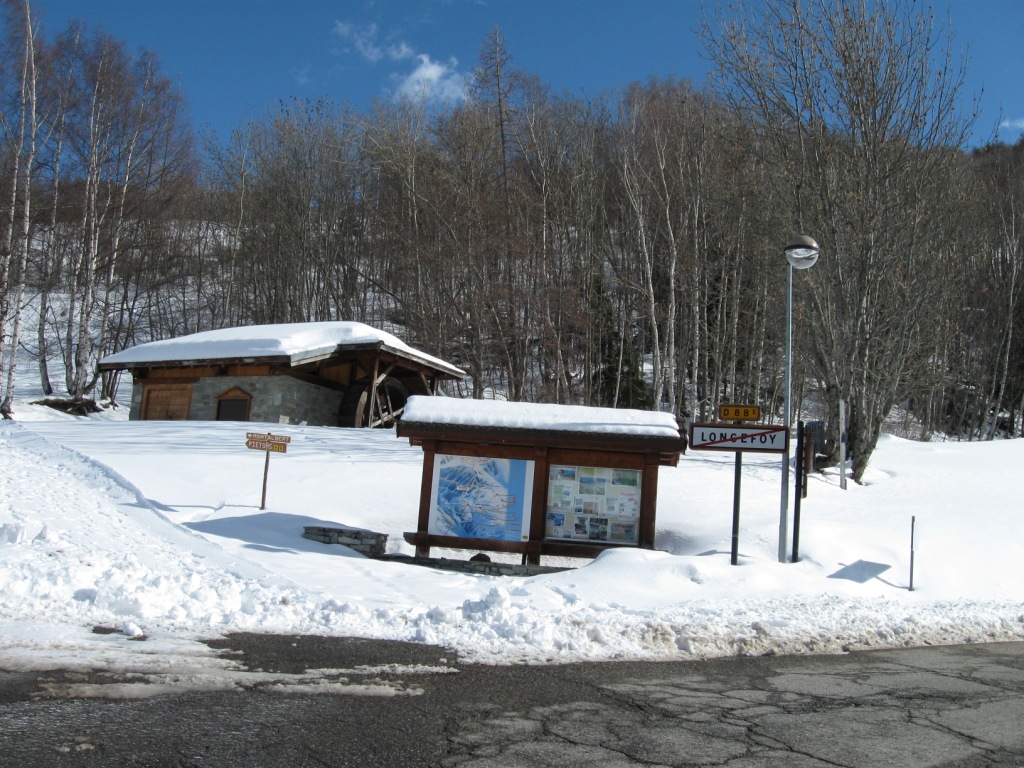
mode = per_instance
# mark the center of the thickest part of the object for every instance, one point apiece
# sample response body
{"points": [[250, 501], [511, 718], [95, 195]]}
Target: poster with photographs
{"points": [[593, 504]]}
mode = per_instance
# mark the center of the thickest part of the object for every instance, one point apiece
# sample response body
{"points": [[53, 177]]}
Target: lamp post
{"points": [[801, 253]]}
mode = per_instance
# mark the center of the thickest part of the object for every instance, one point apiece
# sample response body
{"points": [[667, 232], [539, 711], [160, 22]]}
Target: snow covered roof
{"points": [[295, 343], [448, 412]]}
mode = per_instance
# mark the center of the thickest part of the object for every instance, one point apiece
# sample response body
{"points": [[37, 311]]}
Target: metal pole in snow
{"points": [[736, 509], [798, 490], [913, 546], [786, 416], [842, 444]]}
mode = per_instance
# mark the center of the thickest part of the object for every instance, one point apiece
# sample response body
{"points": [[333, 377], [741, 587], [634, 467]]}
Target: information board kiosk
{"points": [[537, 479]]}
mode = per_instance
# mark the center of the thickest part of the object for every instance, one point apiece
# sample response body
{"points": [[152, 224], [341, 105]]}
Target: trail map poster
{"points": [[593, 504], [481, 498]]}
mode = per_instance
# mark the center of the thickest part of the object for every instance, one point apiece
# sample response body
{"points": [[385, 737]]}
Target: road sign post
{"points": [[269, 443], [801, 478], [739, 438], [734, 558], [913, 549]]}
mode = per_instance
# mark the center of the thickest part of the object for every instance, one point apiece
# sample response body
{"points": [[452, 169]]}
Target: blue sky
{"points": [[236, 59]]}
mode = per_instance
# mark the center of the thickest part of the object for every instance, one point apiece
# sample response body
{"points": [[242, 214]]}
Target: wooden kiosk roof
{"points": [[531, 424]]}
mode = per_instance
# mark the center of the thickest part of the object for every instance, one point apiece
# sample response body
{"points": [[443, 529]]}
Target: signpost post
{"points": [[260, 441], [740, 438]]}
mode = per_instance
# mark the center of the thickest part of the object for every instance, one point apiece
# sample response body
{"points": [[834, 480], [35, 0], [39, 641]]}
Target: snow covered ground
{"points": [[153, 529]]}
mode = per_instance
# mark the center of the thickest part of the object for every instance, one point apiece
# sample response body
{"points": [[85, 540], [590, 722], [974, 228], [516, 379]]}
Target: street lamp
{"points": [[801, 253]]}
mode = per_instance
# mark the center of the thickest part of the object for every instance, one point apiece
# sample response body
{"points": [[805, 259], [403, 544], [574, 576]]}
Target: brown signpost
{"points": [[266, 445], [267, 437], [258, 441]]}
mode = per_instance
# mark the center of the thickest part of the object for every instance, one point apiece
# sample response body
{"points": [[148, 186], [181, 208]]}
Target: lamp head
{"points": [[802, 251]]}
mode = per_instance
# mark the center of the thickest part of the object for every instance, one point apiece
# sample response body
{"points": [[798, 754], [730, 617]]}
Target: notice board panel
{"points": [[595, 504], [480, 497]]}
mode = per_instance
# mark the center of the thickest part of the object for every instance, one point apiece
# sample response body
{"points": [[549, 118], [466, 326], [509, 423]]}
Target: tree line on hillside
{"points": [[619, 251]]}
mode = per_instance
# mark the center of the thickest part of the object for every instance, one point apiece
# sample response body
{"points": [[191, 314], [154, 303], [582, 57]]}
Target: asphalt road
{"points": [[308, 701]]}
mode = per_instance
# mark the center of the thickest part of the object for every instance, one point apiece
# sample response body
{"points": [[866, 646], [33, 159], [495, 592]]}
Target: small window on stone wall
{"points": [[234, 405]]}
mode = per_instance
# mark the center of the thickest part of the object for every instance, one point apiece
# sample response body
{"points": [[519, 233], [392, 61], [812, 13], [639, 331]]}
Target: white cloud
{"points": [[1013, 125], [400, 51], [429, 80], [432, 81], [364, 40]]}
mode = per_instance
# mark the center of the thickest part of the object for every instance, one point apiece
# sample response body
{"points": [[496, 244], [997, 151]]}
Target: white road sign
{"points": [[762, 438]]}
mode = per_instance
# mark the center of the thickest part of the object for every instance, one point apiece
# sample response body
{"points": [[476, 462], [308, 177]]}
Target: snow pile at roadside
{"points": [[152, 529], [80, 545]]}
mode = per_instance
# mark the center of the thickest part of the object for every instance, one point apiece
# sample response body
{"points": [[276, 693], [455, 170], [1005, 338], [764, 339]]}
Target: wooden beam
{"points": [[380, 420], [309, 378], [380, 377], [373, 391]]}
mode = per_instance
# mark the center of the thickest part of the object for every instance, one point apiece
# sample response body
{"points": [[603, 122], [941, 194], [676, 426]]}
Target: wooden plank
{"points": [[266, 445], [648, 504], [535, 548], [426, 485], [458, 542], [597, 458]]}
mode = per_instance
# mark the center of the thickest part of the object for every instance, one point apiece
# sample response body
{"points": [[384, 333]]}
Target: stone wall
{"points": [[136, 409], [275, 399], [368, 543]]}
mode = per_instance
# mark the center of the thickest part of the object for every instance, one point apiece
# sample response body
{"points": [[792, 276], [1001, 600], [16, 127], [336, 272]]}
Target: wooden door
{"points": [[166, 402]]}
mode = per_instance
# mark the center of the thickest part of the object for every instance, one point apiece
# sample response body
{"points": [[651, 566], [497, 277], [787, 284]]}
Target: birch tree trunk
{"points": [[19, 239]]}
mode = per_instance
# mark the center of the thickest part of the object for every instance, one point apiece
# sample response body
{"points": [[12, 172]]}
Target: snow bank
{"points": [[153, 531]]}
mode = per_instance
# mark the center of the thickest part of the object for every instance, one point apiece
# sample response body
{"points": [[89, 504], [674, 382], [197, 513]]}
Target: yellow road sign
{"points": [[739, 413]]}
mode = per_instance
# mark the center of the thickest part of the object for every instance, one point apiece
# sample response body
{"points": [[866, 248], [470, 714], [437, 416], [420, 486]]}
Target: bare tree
{"points": [[979, 386], [496, 93], [24, 145], [858, 105]]}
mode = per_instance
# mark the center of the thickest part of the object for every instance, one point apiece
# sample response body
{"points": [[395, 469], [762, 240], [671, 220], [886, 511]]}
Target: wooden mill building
{"points": [[344, 374]]}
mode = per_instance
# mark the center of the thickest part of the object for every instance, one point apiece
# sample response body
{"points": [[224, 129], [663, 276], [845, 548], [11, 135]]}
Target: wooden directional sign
{"points": [[266, 445], [739, 413], [264, 441], [266, 436], [762, 438]]}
